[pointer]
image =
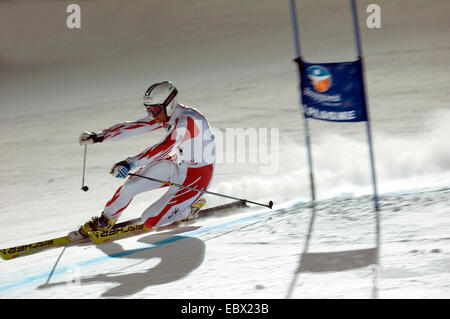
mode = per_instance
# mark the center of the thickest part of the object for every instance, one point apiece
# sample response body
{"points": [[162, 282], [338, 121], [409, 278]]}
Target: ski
{"points": [[28, 249], [23, 250], [100, 237], [124, 229]]}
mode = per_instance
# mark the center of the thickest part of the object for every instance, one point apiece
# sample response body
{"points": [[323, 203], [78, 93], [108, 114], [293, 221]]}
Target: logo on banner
{"points": [[320, 78]]}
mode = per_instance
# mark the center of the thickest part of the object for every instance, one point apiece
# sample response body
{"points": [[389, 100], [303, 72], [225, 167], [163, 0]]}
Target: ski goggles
{"points": [[154, 109]]}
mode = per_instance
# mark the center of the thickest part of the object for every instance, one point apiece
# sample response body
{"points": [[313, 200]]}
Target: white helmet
{"points": [[162, 93]]}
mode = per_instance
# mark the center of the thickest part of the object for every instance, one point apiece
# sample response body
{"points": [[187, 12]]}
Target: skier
{"points": [[185, 156]]}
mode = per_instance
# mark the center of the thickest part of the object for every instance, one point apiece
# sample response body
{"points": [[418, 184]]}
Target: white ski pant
{"points": [[175, 203]]}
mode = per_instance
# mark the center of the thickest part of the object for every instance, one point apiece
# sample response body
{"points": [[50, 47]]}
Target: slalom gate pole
{"points": [[368, 128], [305, 120], [369, 140], [200, 190]]}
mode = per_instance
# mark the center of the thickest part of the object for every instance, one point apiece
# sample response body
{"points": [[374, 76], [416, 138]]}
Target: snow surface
{"points": [[233, 61]]}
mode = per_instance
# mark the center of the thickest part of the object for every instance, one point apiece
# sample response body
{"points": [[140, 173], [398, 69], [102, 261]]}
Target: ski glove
{"points": [[121, 169], [90, 138]]}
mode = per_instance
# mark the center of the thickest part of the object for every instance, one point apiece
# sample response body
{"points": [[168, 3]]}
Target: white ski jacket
{"points": [[189, 139]]}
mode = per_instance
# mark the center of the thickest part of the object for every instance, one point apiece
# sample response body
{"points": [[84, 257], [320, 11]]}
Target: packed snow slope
{"points": [[233, 61]]}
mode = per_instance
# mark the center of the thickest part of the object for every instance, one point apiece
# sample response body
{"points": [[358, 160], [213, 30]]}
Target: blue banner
{"points": [[333, 91]]}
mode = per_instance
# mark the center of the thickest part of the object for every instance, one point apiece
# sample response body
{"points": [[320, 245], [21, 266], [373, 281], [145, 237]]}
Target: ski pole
{"points": [[84, 187], [199, 190]]}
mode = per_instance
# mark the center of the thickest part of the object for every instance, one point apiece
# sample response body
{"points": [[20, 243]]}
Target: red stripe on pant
{"points": [[115, 197], [122, 209], [196, 177]]}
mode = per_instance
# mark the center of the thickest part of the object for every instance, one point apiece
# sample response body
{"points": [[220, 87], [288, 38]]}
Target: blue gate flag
{"points": [[333, 91]]}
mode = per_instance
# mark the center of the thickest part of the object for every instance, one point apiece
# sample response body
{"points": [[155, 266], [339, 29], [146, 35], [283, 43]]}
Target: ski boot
{"points": [[96, 224], [195, 208]]}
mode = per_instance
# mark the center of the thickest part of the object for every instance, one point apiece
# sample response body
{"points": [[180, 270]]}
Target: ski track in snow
{"points": [[232, 61], [254, 241]]}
